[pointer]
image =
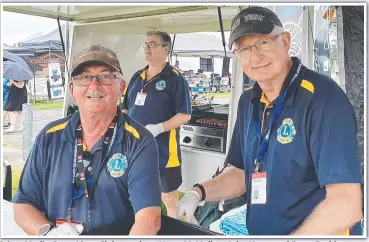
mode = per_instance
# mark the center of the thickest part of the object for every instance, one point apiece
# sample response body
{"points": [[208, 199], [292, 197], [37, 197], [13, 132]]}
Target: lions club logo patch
{"points": [[117, 165], [160, 85], [286, 132]]}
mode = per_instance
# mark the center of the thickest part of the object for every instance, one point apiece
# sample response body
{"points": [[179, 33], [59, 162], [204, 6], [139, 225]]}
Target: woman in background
{"points": [[17, 97], [5, 98]]}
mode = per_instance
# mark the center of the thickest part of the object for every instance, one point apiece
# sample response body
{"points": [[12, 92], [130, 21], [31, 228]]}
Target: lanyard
{"points": [[145, 82], [81, 183], [276, 114]]}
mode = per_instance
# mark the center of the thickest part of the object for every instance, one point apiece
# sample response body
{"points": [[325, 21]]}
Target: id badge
{"points": [[77, 224], [140, 99], [258, 188]]}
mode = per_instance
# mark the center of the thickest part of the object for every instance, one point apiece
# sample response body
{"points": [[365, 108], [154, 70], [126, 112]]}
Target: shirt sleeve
{"points": [[143, 178], [182, 97], [234, 156], [30, 186], [333, 140]]}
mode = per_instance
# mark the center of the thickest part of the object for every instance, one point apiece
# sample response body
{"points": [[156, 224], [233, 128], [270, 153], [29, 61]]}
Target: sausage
{"points": [[222, 123]]}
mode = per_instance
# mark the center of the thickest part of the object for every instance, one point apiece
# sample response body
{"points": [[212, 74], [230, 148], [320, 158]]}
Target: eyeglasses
{"points": [[152, 45], [262, 46], [104, 79]]}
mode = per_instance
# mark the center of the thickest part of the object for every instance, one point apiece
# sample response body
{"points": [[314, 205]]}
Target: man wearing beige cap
{"points": [[95, 168]]}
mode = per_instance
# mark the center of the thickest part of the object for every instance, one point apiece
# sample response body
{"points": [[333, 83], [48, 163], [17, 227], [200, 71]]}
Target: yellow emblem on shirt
{"points": [[117, 165], [286, 131]]}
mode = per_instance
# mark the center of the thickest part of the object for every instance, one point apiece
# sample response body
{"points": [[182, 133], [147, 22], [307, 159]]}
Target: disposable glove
{"points": [[155, 129], [63, 230], [186, 207]]}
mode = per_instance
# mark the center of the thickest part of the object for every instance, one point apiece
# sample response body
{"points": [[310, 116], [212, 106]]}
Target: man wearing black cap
{"points": [[95, 168], [293, 150]]}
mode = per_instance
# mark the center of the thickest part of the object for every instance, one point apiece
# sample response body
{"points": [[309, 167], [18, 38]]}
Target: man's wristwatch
{"points": [[45, 229], [202, 189]]}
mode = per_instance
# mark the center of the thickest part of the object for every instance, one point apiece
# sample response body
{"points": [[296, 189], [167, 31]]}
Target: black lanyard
{"points": [[82, 184], [276, 114]]}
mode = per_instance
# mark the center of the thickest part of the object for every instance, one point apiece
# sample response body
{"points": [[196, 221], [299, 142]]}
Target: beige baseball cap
{"points": [[95, 53]]}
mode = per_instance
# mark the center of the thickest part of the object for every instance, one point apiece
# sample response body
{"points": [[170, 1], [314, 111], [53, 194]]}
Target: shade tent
{"points": [[32, 48], [52, 36], [186, 45], [196, 44], [8, 47], [186, 18], [45, 43]]}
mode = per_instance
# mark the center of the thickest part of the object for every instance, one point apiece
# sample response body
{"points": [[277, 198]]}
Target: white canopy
{"points": [[122, 28], [196, 44], [171, 18]]}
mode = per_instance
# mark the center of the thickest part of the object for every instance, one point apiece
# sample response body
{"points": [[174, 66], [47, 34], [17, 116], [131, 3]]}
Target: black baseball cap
{"points": [[253, 20]]}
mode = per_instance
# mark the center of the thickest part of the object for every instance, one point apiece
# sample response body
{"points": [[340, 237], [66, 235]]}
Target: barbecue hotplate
{"points": [[206, 131], [212, 122]]}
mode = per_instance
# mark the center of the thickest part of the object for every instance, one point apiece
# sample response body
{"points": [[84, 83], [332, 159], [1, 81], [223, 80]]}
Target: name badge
{"points": [[258, 188], [77, 224], [140, 99]]}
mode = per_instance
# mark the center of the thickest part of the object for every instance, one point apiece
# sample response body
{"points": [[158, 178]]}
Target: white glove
{"points": [[186, 207], [155, 129], [63, 230]]}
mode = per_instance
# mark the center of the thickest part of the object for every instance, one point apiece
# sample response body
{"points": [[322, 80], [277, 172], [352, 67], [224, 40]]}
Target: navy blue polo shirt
{"points": [[313, 144], [128, 180], [167, 94]]}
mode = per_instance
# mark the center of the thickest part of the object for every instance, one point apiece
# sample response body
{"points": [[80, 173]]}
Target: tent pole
{"points": [[223, 39], [49, 70], [34, 79], [222, 30], [49, 51], [213, 77], [171, 51], [62, 40]]}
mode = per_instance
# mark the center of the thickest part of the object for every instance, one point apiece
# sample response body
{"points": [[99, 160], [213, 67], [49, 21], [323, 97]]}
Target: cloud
{"points": [[18, 27], [11, 40]]}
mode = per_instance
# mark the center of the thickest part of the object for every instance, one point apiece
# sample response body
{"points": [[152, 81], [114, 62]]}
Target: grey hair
{"points": [[277, 30], [164, 37]]}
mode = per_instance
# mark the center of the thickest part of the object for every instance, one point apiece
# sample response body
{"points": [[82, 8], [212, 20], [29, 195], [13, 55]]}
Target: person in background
{"points": [[95, 168], [14, 103], [294, 149], [5, 98], [176, 66], [158, 97]]}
